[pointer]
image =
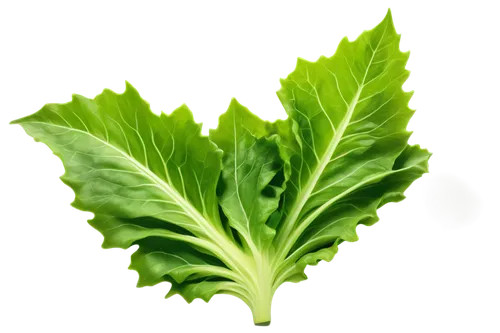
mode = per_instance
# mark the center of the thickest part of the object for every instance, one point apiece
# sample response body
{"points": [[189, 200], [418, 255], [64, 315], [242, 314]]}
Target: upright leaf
{"points": [[250, 162], [349, 119]]}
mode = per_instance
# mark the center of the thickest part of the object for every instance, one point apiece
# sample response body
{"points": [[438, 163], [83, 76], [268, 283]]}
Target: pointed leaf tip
{"points": [[129, 86], [389, 12]]}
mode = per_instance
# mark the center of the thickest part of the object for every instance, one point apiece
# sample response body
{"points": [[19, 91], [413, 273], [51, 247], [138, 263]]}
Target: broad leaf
{"points": [[140, 173], [125, 161], [349, 117]]}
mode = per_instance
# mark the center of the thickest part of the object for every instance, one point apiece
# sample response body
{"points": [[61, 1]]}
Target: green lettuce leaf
{"points": [[124, 161], [251, 161], [250, 206], [146, 177], [348, 114]]}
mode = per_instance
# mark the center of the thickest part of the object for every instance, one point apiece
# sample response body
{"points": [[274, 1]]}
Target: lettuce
{"points": [[250, 206]]}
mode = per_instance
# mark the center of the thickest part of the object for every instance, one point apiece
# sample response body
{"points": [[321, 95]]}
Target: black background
{"points": [[416, 272]]}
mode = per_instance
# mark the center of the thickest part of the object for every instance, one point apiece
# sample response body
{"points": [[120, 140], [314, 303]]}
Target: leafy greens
{"points": [[249, 207]]}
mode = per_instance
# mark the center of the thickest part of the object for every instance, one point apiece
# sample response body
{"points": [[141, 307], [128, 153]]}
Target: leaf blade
{"points": [[250, 163], [127, 164], [84, 146], [331, 103]]}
